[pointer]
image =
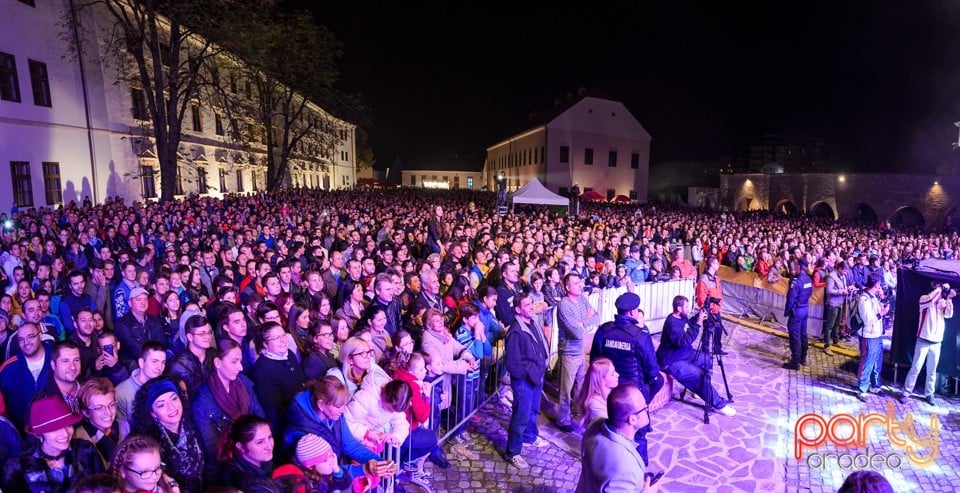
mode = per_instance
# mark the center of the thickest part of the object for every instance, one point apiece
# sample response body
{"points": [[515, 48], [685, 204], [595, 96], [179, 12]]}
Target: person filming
{"points": [[935, 307], [678, 357]]}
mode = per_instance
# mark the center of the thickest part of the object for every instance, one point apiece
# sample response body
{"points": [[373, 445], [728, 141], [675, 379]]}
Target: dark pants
{"points": [[692, 375], [831, 324], [523, 419], [797, 330], [420, 443]]}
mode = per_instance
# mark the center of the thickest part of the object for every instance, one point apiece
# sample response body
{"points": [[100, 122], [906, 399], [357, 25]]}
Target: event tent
{"points": [[535, 193]]}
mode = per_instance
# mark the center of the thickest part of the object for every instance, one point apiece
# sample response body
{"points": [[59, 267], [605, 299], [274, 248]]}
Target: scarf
{"points": [[234, 403]]}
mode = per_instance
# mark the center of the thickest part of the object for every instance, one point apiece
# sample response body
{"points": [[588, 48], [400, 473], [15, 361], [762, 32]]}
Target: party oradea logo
{"points": [[846, 431]]}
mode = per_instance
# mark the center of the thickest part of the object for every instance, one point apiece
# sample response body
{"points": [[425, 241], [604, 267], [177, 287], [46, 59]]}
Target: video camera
{"points": [[945, 291]]}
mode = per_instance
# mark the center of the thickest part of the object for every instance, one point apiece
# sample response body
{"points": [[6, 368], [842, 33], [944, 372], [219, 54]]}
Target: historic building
{"points": [[70, 128], [591, 140]]}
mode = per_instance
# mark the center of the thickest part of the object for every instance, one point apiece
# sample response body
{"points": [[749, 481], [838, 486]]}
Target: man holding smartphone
{"points": [[935, 307]]}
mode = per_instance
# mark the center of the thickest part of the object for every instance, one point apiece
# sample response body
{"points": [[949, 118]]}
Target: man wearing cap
{"points": [[636, 267], [627, 343], [798, 299], [136, 327], [52, 422], [575, 317]]}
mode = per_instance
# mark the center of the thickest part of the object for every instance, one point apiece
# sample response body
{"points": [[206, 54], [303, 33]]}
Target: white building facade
{"points": [[70, 131], [595, 143]]}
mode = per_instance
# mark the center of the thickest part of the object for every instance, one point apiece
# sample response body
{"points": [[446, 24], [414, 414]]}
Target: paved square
{"points": [[753, 451]]}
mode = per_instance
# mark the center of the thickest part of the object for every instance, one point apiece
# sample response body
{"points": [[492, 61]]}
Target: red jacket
{"points": [[419, 410]]}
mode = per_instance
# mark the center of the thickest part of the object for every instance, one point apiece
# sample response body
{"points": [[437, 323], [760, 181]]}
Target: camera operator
{"points": [[708, 288], [678, 357], [935, 307], [626, 342], [798, 300]]}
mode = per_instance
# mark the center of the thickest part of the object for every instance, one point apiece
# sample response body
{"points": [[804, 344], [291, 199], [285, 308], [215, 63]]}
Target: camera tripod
{"points": [[710, 344]]}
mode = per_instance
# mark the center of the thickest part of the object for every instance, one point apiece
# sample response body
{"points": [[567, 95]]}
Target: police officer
{"points": [[627, 343], [798, 300]]}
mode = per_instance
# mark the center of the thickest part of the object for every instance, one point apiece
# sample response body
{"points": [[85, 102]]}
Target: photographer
{"points": [[935, 307], [708, 288], [678, 357]]}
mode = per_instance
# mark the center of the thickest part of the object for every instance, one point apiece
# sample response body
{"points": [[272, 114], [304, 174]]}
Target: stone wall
{"points": [[886, 194]]}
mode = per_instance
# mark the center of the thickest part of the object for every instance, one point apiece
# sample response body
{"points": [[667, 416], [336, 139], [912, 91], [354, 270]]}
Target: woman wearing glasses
{"points": [[320, 347], [223, 398], [98, 404], [277, 375], [160, 412], [138, 466], [358, 362]]}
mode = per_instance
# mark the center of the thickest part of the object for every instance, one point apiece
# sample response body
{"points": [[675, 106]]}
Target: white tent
{"points": [[535, 193]]}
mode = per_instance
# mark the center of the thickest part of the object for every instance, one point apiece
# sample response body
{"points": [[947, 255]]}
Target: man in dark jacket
{"points": [[136, 327], [798, 300], [627, 343], [678, 358], [526, 360]]}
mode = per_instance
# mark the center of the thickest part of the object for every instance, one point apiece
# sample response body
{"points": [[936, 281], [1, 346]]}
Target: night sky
{"points": [[879, 80]]}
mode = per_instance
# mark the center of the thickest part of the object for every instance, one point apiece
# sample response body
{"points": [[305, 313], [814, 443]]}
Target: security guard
{"points": [[627, 343], [796, 309]]}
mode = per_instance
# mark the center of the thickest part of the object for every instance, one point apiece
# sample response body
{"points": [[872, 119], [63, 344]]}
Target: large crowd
{"points": [[282, 339]]}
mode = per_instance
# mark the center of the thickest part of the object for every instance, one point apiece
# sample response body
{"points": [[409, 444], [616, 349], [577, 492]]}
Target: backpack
{"points": [[853, 315]]}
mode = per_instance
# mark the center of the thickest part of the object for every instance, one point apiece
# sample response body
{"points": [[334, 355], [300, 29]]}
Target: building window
{"points": [[239, 181], [633, 195], [233, 83], [201, 180], [253, 179], [248, 89], [413, 180], [470, 183], [612, 159], [218, 123], [178, 189], [564, 154], [635, 161], [40, 83], [148, 184], [543, 153], [9, 85], [456, 181], [51, 183], [195, 114], [223, 181], [611, 193], [588, 156], [139, 100], [22, 187]]}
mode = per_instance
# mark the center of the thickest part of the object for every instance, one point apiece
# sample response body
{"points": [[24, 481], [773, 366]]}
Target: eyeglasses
{"points": [[638, 411], [325, 334], [272, 317], [149, 474], [205, 333], [101, 408], [368, 354], [275, 338]]}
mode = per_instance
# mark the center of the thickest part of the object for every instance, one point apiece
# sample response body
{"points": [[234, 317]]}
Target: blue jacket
{"points": [[19, 387], [491, 326], [302, 419]]}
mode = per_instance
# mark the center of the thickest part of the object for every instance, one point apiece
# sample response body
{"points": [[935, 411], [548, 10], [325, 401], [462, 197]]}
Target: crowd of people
{"points": [[194, 343]]}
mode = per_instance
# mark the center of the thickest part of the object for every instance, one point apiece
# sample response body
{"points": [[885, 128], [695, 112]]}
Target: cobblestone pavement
{"points": [[752, 451]]}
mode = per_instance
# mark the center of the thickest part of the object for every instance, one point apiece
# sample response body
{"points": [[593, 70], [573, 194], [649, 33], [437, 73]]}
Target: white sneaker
{"points": [[539, 443], [518, 462], [727, 411]]}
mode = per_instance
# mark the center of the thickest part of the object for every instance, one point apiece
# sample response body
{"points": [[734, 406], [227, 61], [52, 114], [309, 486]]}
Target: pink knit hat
{"points": [[312, 450]]}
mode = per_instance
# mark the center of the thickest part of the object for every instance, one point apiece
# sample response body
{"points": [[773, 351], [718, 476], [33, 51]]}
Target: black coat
{"points": [[247, 477], [276, 383], [30, 473]]}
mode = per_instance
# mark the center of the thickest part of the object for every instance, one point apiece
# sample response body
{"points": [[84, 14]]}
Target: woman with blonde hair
{"points": [[601, 378]]}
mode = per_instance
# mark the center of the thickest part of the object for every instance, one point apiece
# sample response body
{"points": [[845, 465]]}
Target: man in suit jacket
{"points": [[611, 462]]}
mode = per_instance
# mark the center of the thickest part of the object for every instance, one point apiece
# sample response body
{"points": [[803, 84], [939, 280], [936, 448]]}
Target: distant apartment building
{"points": [[591, 140], [70, 128]]}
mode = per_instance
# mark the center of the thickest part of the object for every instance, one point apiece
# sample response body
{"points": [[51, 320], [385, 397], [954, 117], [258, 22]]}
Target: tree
{"points": [[161, 48], [365, 158], [290, 62]]}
